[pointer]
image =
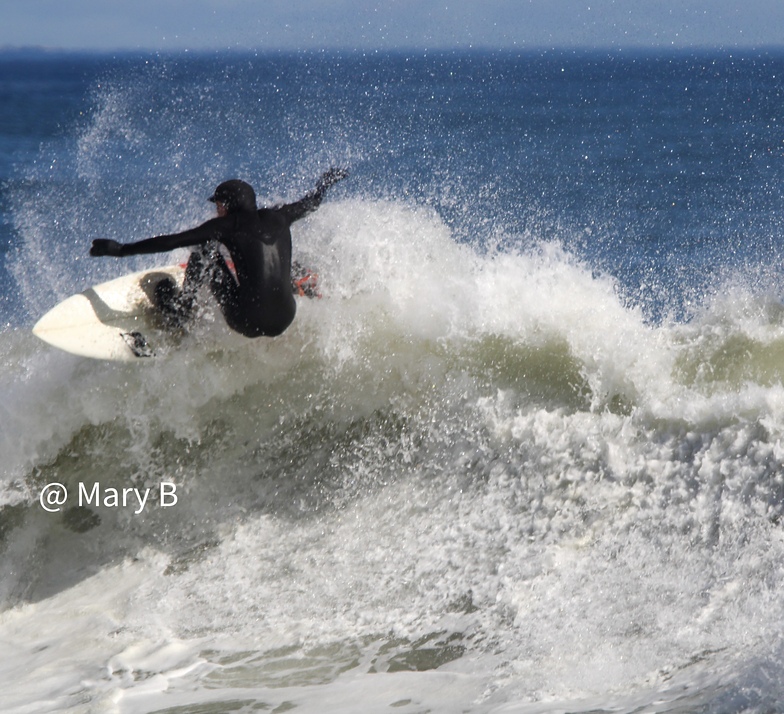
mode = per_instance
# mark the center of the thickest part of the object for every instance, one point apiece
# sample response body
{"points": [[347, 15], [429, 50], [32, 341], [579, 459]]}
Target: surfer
{"points": [[257, 298]]}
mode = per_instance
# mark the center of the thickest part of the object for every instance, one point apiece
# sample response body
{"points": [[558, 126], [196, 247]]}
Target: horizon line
{"points": [[642, 49]]}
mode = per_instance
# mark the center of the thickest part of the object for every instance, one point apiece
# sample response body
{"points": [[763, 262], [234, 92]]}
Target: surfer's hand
{"points": [[331, 177], [104, 246]]}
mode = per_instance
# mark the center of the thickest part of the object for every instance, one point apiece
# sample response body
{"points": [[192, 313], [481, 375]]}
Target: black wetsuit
{"points": [[260, 300]]}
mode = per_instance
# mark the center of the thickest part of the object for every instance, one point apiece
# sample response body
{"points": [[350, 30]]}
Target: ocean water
{"points": [[526, 454]]}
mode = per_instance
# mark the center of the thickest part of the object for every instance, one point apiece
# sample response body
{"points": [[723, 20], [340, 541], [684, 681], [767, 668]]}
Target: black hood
{"points": [[236, 195]]}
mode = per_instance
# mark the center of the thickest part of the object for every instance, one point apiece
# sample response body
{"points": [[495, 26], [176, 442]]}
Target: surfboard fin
{"points": [[138, 344]]}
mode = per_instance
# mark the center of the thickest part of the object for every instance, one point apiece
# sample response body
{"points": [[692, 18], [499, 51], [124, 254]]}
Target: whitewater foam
{"points": [[461, 476]]}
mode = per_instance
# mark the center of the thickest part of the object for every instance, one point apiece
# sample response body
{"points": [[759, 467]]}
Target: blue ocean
{"points": [[524, 455]]}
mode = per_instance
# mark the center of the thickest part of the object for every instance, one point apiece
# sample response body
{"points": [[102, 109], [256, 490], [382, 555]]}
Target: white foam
{"points": [[382, 487]]}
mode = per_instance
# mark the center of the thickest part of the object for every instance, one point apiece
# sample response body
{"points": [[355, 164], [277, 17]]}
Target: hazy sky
{"points": [[390, 24]]}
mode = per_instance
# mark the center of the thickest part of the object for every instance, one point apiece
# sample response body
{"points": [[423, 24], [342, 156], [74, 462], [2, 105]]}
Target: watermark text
{"points": [[55, 496]]}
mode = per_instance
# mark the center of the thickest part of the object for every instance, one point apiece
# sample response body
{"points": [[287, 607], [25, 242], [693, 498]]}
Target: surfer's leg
{"points": [[224, 287], [178, 305], [208, 266], [205, 265], [165, 299]]}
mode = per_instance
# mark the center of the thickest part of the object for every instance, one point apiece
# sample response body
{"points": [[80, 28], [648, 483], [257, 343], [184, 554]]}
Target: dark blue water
{"points": [[663, 171]]}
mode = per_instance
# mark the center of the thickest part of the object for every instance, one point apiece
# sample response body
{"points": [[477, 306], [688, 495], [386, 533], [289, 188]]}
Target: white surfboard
{"points": [[115, 320], [118, 321]]}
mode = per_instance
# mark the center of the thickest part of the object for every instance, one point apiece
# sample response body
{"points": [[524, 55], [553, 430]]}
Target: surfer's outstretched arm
{"points": [[295, 211], [159, 244]]}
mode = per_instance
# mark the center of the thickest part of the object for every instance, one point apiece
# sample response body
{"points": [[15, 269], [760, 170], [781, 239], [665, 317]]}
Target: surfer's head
{"points": [[235, 195]]}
